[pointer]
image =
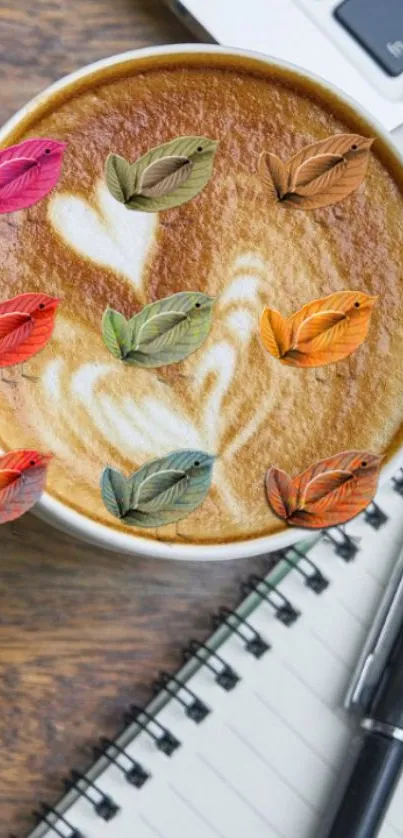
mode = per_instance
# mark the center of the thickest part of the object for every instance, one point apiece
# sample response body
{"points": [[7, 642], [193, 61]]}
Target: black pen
{"points": [[375, 761]]}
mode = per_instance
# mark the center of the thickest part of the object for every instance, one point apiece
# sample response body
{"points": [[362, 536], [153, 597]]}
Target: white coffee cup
{"points": [[63, 517]]}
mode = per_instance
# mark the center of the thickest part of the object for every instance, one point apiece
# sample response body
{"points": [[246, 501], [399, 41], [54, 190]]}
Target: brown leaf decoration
{"points": [[321, 182], [321, 174], [273, 173], [315, 168], [340, 144], [328, 493], [164, 175], [322, 332]]}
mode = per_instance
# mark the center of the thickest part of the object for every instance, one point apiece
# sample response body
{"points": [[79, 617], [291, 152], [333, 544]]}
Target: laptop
{"points": [[355, 44]]}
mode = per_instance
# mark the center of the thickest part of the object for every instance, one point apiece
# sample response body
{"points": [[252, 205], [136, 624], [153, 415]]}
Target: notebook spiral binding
{"points": [[225, 676], [134, 773], [46, 812]]}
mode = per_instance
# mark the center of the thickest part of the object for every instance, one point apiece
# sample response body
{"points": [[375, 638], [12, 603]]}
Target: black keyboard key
{"points": [[378, 26]]}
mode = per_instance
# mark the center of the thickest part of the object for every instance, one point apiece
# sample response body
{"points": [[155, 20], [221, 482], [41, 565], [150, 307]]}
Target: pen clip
{"points": [[378, 645]]}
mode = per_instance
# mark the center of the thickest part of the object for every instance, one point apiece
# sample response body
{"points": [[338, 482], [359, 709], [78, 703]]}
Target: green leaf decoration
{"points": [[119, 177], [166, 176], [115, 491], [164, 332], [156, 325], [116, 333], [161, 492]]}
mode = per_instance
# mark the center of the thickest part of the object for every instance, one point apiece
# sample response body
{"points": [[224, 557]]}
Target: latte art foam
{"points": [[229, 398], [106, 233]]}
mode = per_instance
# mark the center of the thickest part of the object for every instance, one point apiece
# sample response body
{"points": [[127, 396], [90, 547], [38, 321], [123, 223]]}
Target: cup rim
{"points": [[65, 518]]}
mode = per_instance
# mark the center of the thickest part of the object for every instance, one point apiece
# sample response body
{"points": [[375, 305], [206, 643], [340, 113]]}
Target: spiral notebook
{"points": [[248, 737]]}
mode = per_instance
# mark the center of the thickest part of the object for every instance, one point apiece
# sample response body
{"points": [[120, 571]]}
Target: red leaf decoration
{"points": [[7, 476], [14, 328], [28, 172], [22, 481], [26, 326], [328, 493]]}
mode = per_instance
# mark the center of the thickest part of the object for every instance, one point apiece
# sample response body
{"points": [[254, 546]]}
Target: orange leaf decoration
{"points": [[322, 174], [321, 332], [275, 333], [328, 493]]}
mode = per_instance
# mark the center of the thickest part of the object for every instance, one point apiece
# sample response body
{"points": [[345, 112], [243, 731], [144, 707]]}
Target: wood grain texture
{"points": [[82, 632], [42, 40]]}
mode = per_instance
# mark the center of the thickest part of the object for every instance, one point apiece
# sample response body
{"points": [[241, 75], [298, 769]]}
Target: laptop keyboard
{"points": [[377, 25], [367, 32]]}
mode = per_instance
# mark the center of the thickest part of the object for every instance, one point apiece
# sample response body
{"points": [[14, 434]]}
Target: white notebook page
{"points": [[264, 761]]}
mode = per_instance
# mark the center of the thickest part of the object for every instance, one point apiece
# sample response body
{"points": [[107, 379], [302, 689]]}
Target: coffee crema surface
{"points": [[230, 398]]}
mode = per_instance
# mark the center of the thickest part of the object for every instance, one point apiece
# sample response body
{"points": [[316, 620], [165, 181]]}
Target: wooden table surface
{"points": [[83, 633]]}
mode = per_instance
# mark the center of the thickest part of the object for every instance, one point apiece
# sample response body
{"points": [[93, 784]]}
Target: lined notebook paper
{"points": [[269, 734]]}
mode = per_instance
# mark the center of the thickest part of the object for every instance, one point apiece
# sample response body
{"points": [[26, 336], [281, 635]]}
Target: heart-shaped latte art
{"points": [[105, 233]]}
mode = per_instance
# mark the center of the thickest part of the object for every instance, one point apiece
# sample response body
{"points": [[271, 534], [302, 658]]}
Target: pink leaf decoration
{"points": [[22, 481], [28, 172], [11, 171]]}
